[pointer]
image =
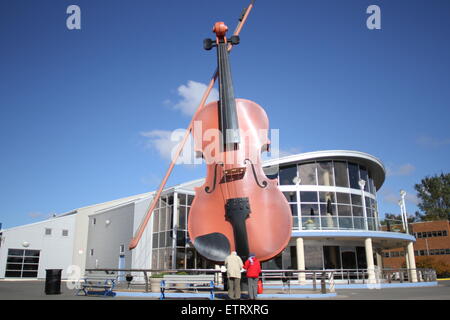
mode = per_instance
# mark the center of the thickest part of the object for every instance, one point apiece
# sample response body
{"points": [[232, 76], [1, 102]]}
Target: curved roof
{"points": [[372, 163]]}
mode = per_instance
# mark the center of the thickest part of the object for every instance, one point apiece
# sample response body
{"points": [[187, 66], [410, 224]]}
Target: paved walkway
{"points": [[34, 290]]}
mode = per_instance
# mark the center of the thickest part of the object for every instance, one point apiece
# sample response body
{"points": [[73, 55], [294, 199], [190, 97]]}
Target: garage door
{"points": [[22, 263]]}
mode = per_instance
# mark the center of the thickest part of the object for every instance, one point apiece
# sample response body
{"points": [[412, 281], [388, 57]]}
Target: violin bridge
{"points": [[233, 175]]}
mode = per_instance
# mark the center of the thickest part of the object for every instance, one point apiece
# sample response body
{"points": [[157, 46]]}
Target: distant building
{"points": [[432, 239]]}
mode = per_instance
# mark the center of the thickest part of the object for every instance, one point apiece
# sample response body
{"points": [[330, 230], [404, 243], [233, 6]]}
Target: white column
{"points": [[412, 262], [369, 260], [379, 260], [301, 261]]}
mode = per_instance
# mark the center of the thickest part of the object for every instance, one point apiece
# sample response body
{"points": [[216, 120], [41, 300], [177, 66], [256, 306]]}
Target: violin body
{"points": [[238, 208]]}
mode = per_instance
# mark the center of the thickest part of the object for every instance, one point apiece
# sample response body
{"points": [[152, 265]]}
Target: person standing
{"points": [[253, 267], [234, 264]]}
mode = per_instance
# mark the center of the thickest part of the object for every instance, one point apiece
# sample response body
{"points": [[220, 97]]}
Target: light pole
{"points": [[400, 203], [297, 181], [362, 183], [403, 194]]}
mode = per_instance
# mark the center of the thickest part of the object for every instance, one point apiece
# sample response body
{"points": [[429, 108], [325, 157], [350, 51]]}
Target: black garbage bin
{"points": [[53, 281]]}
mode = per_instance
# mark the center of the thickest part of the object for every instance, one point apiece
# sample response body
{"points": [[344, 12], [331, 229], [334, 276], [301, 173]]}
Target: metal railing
{"points": [[339, 223], [319, 279]]}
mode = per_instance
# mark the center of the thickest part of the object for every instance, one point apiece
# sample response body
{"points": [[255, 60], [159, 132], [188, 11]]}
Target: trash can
{"points": [[53, 281]]}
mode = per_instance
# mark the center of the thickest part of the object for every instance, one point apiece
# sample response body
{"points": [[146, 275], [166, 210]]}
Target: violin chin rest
{"points": [[213, 246]]}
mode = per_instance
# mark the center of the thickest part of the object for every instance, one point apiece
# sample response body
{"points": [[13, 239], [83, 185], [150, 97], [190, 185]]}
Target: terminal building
{"points": [[332, 195]]}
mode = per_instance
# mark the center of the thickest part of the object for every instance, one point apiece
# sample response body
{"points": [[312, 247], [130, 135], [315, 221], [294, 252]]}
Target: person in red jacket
{"points": [[253, 267]]}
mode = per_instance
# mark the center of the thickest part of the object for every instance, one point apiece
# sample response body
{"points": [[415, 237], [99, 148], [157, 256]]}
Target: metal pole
{"points": [[362, 183], [403, 194]]}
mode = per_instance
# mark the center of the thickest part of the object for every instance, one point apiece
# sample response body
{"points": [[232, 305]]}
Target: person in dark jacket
{"points": [[253, 268]]}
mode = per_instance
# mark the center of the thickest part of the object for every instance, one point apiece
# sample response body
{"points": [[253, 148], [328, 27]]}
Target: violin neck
{"points": [[228, 122]]}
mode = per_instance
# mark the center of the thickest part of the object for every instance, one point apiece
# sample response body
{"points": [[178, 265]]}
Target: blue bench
{"points": [[192, 283], [98, 284]]}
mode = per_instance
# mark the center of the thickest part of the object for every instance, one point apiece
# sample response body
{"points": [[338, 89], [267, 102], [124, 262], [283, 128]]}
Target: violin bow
{"points": [[137, 237]]}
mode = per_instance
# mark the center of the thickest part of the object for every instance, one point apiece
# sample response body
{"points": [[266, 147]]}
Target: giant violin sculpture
{"points": [[238, 208]]}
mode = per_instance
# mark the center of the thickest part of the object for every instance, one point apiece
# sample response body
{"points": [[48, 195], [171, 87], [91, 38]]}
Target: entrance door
{"points": [[348, 258], [121, 266]]}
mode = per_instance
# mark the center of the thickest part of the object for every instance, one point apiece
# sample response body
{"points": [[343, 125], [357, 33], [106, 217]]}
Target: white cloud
{"points": [[191, 94], [427, 141], [403, 170], [165, 142]]}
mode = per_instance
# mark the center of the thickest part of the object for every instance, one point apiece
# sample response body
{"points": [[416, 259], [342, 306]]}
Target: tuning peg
{"points": [[208, 44], [234, 40]]}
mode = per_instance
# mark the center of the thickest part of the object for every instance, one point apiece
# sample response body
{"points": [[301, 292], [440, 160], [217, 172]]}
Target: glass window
{"points": [[31, 260], [325, 173], [181, 199], [190, 258], [190, 199], [444, 233], [325, 196], [434, 233], [343, 197], [162, 219], [353, 173], [356, 200], [340, 172], [181, 217], [344, 210], [13, 259], [181, 238], [309, 209], [332, 257], [294, 209], [32, 253], [372, 186], [180, 258], [439, 233], [291, 196], [15, 252], [313, 258], [308, 196], [328, 208], [365, 176], [361, 257], [357, 211], [162, 239], [65, 233], [287, 175], [13, 266], [307, 173], [48, 231], [155, 240]]}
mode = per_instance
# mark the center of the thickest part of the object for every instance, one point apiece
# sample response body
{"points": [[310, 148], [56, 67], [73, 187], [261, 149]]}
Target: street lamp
{"points": [[403, 194], [362, 183], [400, 203], [297, 180]]}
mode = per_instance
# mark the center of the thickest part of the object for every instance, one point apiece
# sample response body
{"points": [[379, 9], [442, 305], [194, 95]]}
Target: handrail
{"points": [[316, 277]]}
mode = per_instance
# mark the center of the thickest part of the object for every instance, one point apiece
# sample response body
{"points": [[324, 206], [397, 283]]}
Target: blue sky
{"points": [[84, 114]]}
